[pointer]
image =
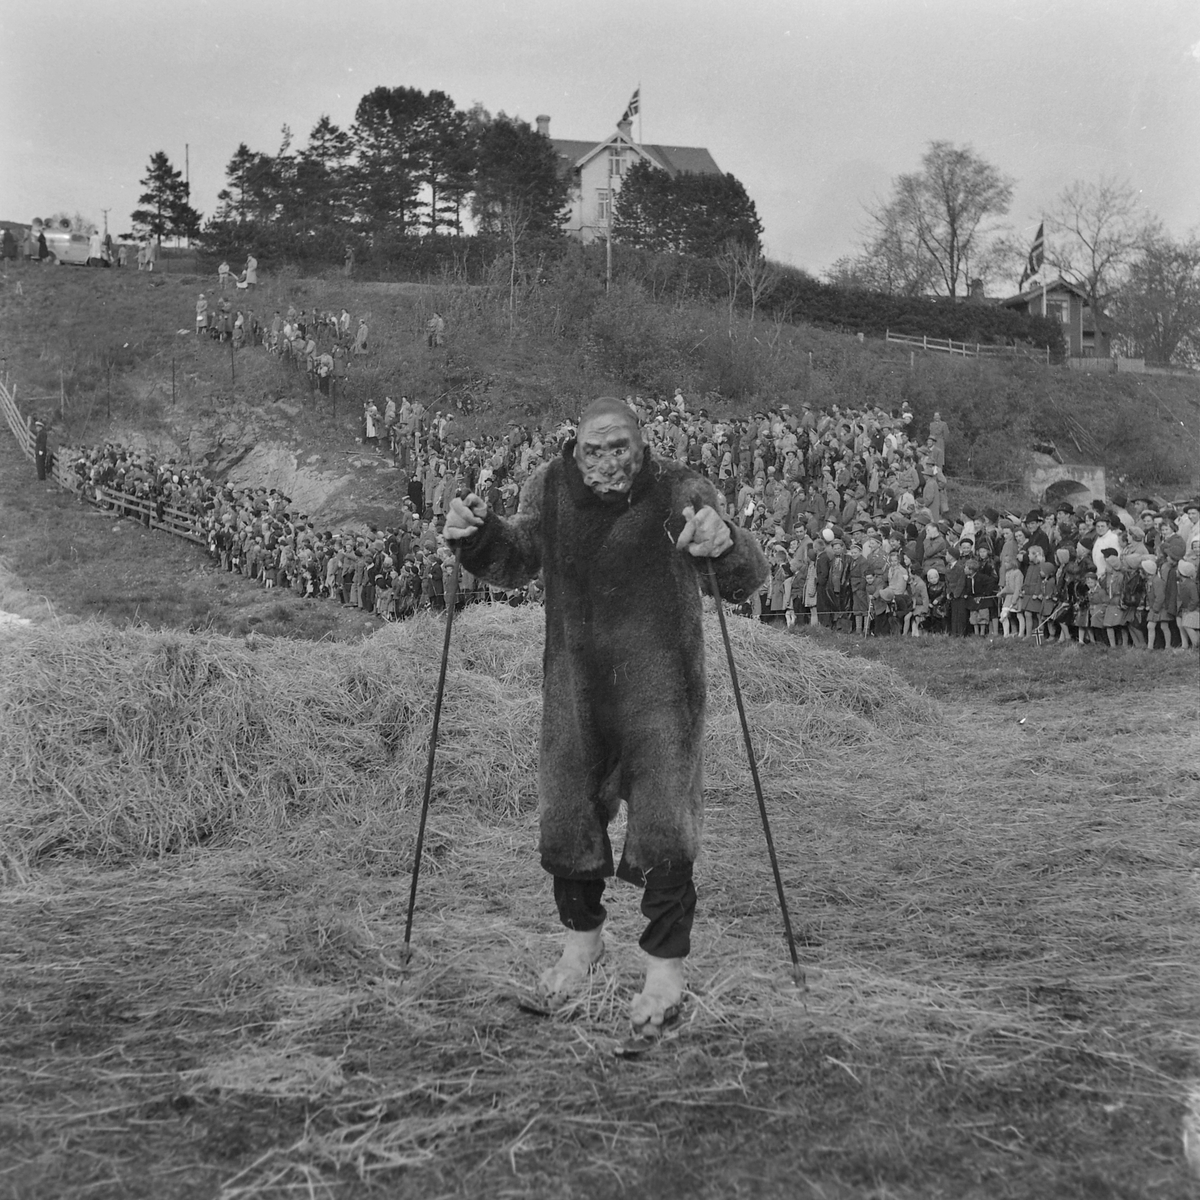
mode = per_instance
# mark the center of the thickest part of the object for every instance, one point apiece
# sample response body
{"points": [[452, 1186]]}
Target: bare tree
{"points": [[938, 217], [513, 217], [893, 260], [1097, 230], [745, 267], [1158, 307]]}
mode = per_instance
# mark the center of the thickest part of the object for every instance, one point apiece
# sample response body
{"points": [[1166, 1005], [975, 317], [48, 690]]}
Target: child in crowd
{"points": [[1187, 618], [1010, 601], [1097, 601], [915, 617], [1113, 584], [1033, 592], [1161, 600]]}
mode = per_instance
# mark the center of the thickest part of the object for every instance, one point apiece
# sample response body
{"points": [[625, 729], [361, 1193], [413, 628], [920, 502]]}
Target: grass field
{"points": [[991, 851], [119, 346], [992, 874]]}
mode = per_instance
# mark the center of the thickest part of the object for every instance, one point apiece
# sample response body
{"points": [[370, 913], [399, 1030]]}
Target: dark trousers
{"points": [[670, 911]]}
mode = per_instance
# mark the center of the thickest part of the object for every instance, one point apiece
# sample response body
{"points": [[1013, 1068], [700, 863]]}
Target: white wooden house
{"points": [[596, 169]]}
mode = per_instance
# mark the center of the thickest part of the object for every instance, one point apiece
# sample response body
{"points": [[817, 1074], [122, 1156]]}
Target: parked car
{"points": [[64, 245]]}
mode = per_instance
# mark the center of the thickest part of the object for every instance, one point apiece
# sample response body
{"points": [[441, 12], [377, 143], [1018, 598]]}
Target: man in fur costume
{"points": [[614, 532]]}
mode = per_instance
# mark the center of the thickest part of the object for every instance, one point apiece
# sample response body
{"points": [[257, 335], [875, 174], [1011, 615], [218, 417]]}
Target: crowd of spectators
{"points": [[320, 343], [851, 506]]}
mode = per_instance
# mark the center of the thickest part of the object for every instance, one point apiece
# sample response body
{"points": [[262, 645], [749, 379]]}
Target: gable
{"points": [[1059, 288], [675, 160]]}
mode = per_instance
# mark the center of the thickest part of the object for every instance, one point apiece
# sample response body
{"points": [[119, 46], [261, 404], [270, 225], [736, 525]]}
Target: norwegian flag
{"points": [[635, 104], [1037, 255]]}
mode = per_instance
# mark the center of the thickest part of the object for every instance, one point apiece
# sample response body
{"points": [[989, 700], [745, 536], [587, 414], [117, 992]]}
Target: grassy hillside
{"points": [[111, 339], [205, 854]]}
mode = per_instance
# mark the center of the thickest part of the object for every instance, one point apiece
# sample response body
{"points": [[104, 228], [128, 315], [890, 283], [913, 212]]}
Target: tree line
{"points": [[400, 183], [942, 226], [414, 164]]}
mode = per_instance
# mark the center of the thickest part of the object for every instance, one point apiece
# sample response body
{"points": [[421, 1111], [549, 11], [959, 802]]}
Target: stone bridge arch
{"points": [[1050, 482]]}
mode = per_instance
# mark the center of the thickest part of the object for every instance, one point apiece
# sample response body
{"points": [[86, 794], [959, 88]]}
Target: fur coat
{"points": [[624, 684]]}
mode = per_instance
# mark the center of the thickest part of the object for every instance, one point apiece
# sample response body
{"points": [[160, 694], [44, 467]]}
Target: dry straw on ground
{"points": [[1001, 940], [121, 743]]}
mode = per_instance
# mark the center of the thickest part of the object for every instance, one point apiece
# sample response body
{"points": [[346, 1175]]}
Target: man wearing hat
{"points": [[41, 451], [1036, 534], [1106, 538]]}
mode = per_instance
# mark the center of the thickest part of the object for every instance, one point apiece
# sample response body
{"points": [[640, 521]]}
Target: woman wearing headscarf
{"points": [[1113, 583], [1187, 618]]}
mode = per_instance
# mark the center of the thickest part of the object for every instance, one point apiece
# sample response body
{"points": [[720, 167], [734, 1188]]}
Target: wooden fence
{"points": [[967, 349], [176, 521], [1132, 366]]}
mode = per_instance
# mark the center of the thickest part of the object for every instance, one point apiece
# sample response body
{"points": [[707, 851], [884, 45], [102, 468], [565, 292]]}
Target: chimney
{"points": [[543, 125], [624, 126]]}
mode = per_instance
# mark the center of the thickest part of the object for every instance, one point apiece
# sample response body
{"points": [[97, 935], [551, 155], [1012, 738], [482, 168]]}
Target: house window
{"points": [[1056, 310], [616, 160], [603, 205]]}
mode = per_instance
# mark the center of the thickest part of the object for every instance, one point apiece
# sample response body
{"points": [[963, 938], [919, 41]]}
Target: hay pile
{"points": [[118, 744]]}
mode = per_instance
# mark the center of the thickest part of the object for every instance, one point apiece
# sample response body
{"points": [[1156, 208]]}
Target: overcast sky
{"points": [[814, 106]]}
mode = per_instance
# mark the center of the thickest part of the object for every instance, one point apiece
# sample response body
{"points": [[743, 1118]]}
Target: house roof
{"points": [[694, 160], [1035, 293], [570, 151], [675, 160]]}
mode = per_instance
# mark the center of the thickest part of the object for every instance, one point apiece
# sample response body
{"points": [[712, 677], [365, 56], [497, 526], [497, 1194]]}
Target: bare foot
{"points": [[660, 997], [581, 952]]}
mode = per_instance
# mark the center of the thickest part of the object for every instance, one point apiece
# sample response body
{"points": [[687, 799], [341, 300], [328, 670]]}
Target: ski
{"points": [[535, 1006], [640, 1044]]}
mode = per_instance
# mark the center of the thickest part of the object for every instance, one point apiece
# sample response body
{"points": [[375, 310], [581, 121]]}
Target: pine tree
{"points": [[684, 214], [166, 209], [322, 171], [386, 175], [517, 179]]}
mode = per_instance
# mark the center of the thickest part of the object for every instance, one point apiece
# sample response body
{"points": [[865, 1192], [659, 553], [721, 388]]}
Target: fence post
{"points": [[924, 341]]}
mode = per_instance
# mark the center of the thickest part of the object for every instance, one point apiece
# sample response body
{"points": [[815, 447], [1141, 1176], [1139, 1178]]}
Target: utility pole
{"points": [[187, 184], [106, 211], [608, 239]]}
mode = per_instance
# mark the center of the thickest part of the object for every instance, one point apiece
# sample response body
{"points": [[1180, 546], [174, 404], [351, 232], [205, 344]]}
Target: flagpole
{"points": [[1042, 263], [1042, 226], [608, 239], [639, 92]]}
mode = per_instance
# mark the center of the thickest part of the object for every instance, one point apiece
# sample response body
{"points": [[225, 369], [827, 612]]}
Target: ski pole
{"points": [[797, 970], [437, 714]]}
